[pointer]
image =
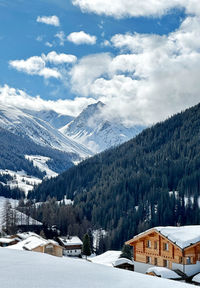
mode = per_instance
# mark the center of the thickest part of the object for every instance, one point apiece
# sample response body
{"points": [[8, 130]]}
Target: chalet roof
{"points": [[8, 240], [70, 240], [163, 272], [33, 242], [121, 261], [182, 236]]}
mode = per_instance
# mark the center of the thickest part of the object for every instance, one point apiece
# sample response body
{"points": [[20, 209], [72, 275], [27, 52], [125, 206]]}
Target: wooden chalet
{"points": [[176, 248], [32, 242], [72, 245]]}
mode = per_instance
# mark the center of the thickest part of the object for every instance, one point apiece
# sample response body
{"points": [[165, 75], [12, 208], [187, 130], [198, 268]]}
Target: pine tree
{"points": [[126, 252], [86, 250]]}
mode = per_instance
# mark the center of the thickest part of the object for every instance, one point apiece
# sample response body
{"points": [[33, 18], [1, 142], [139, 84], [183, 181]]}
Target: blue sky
{"points": [[98, 72]]}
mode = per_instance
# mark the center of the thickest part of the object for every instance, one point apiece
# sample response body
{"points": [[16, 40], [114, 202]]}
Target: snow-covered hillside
{"points": [[36, 270], [93, 130], [55, 119], [21, 218], [38, 130], [21, 180], [41, 163]]}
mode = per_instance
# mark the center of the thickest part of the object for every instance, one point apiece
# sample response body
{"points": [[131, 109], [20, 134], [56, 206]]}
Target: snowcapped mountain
{"points": [[91, 129], [39, 131], [55, 119]]}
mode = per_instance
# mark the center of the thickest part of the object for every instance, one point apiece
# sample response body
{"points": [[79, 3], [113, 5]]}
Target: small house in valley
{"points": [[4, 242], [176, 248], [123, 263], [72, 245], [36, 243]]}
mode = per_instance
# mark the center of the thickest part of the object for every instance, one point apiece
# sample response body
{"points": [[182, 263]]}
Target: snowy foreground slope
{"points": [[35, 270]]}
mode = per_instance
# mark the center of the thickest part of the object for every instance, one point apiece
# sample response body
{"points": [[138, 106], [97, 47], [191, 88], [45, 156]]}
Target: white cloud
{"points": [[153, 76], [87, 71], [36, 65], [20, 99], [62, 38], [135, 8], [49, 20], [62, 58], [82, 38]]}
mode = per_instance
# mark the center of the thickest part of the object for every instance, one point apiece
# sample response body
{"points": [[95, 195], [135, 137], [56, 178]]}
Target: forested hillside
{"points": [[13, 149], [154, 179]]}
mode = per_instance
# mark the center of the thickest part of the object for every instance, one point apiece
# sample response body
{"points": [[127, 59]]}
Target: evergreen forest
{"points": [[151, 180]]}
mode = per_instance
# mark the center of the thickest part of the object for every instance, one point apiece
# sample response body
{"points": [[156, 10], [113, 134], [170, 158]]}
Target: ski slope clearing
{"points": [[21, 180], [36, 270], [41, 163]]}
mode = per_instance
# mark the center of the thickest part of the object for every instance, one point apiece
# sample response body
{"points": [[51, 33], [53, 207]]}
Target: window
{"points": [[156, 261], [155, 245], [188, 260], [165, 263], [180, 260], [166, 246], [148, 259], [148, 244]]}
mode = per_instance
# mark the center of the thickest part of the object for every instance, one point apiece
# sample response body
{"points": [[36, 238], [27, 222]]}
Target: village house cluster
{"points": [[31, 241]]}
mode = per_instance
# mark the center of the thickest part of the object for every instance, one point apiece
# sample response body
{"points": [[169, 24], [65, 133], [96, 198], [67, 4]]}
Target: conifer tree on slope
{"points": [[86, 250], [126, 252]]}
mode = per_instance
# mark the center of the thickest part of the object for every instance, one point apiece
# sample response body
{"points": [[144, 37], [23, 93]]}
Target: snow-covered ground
{"points": [[21, 180], [107, 258], [21, 218], [22, 269], [41, 163]]}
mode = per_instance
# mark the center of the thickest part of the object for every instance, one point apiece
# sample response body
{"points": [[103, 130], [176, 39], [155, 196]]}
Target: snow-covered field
{"points": [[21, 180], [41, 163], [23, 269]]}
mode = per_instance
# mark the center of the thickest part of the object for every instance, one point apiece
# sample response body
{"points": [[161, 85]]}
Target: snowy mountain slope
{"points": [[41, 163], [21, 218], [55, 119], [36, 270], [39, 131], [91, 129], [21, 180]]}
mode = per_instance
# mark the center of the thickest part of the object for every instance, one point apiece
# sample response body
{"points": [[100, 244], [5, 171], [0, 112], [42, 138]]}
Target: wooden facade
{"points": [[51, 249], [155, 249]]}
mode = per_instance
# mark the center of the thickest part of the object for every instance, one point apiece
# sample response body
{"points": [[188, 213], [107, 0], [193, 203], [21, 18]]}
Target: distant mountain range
{"points": [[92, 129], [61, 139]]}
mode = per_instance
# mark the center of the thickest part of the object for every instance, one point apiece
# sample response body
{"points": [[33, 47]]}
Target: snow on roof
{"points": [[21, 269], [25, 235], [121, 261], [31, 242], [7, 240], [72, 240], [196, 278], [164, 272], [106, 258], [182, 236]]}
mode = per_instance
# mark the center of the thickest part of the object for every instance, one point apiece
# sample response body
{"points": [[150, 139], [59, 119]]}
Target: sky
{"points": [[141, 58]]}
